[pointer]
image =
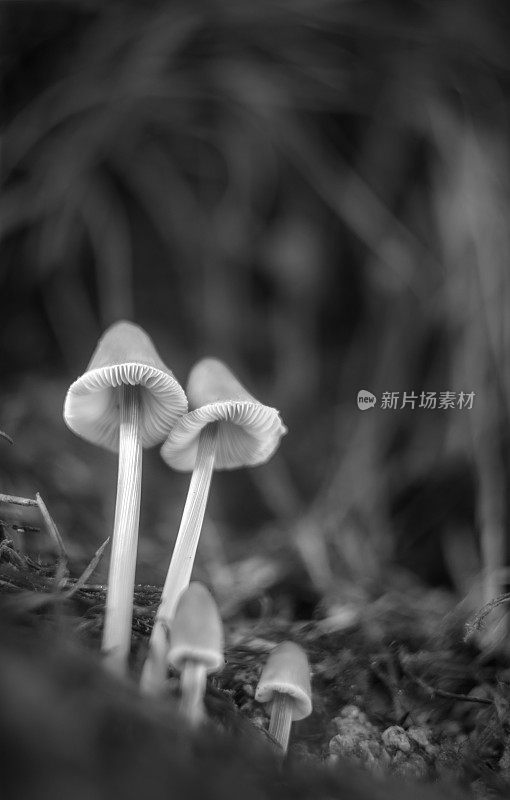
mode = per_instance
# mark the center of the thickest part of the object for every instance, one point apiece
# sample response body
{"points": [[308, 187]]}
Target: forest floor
{"points": [[397, 690]]}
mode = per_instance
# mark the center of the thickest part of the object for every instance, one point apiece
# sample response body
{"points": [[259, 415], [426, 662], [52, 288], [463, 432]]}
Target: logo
{"points": [[398, 401], [365, 399]]}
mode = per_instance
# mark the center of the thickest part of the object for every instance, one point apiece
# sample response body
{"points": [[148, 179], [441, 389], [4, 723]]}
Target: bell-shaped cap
{"points": [[197, 630], [248, 431], [287, 671], [124, 354]]}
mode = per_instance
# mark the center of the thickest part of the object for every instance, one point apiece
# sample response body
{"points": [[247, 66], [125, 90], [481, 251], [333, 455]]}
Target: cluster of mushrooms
{"points": [[128, 400]]}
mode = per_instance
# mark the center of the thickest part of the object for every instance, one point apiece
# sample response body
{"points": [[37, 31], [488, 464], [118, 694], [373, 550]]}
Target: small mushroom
{"points": [[227, 428], [285, 683], [196, 648], [127, 399]]}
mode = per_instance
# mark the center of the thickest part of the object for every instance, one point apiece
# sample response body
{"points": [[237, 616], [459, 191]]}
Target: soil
{"points": [[398, 696]]}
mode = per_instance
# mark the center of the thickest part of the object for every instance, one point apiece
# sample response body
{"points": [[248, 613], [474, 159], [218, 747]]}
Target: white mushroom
{"points": [[285, 683], [226, 428], [127, 399], [196, 648]]}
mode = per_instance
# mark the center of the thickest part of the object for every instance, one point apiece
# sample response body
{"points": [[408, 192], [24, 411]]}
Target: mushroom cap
{"points": [[248, 434], [287, 671], [197, 630], [124, 354]]}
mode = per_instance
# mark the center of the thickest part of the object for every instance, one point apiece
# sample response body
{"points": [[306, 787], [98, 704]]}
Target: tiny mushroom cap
{"points": [[249, 432], [197, 630], [287, 671], [124, 354]]}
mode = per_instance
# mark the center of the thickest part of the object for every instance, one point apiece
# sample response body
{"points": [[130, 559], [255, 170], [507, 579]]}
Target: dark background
{"points": [[316, 192]]}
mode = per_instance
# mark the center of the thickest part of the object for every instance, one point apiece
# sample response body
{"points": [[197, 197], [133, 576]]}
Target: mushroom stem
{"points": [[193, 682], [281, 719], [121, 576], [181, 564]]}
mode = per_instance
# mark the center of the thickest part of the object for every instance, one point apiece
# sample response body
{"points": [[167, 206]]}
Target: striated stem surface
{"points": [[121, 576], [281, 719], [181, 564]]}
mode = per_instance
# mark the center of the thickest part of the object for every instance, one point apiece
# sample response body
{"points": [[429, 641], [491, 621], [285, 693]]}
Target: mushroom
{"points": [[226, 428], [196, 647], [127, 399], [285, 683]]}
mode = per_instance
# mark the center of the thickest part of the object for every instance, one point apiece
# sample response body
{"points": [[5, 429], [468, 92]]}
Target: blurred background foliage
{"points": [[316, 191]]}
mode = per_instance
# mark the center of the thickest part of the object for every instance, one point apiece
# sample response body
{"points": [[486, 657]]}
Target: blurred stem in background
{"points": [[473, 191]]}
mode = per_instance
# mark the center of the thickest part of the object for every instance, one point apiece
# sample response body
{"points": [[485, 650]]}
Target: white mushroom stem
{"points": [[193, 683], [121, 577], [181, 564], [281, 719]]}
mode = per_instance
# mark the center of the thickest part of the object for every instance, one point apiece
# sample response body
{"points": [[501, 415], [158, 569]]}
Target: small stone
{"points": [[352, 727], [395, 738], [365, 752], [373, 755], [350, 746], [354, 723], [420, 736], [409, 766], [353, 712], [343, 745]]}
